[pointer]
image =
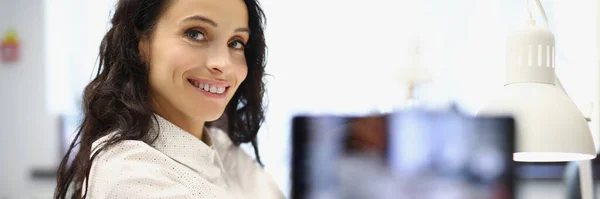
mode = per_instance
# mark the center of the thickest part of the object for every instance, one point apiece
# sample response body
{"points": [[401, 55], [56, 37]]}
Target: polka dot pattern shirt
{"points": [[177, 165]]}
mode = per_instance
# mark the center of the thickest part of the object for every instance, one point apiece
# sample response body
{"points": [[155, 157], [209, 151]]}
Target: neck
{"points": [[181, 120]]}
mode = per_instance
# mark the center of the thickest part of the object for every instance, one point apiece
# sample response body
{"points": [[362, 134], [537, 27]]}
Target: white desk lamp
{"points": [[549, 126]]}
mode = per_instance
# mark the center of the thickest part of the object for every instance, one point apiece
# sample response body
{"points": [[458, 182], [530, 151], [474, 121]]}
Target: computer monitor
{"points": [[402, 155]]}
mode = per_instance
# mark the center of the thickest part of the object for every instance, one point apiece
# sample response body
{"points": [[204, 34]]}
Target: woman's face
{"points": [[196, 56]]}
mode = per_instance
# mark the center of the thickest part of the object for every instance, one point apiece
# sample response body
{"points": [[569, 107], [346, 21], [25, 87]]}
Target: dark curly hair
{"points": [[117, 99]]}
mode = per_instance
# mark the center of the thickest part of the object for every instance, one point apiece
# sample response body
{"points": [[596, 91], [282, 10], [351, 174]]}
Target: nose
{"points": [[219, 59]]}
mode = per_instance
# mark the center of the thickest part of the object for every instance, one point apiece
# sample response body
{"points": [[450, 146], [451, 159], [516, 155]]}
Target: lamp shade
{"points": [[549, 126]]}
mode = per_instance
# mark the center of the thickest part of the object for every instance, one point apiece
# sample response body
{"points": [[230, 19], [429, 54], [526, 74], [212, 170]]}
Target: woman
{"points": [[167, 69]]}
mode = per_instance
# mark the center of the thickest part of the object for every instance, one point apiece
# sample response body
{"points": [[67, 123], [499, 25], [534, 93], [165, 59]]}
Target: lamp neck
{"points": [[531, 55]]}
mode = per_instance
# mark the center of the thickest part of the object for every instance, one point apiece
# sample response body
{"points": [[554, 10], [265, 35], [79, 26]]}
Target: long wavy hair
{"points": [[117, 99]]}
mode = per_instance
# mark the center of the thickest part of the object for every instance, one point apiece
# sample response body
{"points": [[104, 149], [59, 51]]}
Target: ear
{"points": [[144, 48]]}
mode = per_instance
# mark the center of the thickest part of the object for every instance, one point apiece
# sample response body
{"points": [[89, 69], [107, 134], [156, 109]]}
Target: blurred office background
{"points": [[325, 56]]}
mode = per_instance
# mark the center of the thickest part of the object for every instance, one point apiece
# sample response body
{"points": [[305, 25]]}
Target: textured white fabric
{"points": [[177, 165]]}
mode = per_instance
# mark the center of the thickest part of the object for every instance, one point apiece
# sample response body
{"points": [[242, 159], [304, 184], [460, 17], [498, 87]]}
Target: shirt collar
{"points": [[183, 147]]}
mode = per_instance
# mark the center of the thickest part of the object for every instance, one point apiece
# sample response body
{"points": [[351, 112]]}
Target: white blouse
{"points": [[178, 165]]}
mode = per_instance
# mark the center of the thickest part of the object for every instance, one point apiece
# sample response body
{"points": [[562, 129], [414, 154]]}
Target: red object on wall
{"points": [[9, 48]]}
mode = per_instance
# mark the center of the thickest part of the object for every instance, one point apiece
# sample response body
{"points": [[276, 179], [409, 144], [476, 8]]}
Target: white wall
{"points": [[28, 134], [74, 30]]}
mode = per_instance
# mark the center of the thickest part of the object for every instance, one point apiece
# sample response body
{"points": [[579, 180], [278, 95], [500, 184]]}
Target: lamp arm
{"points": [[586, 180], [542, 11], [541, 8], [528, 10]]}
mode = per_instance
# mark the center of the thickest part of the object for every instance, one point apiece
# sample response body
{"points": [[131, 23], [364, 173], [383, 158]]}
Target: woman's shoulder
{"points": [[128, 166], [128, 157], [122, 150], [124, 154]]}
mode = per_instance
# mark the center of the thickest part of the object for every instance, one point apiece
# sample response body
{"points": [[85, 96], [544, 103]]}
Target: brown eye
{"points": [[237, 44], [195, 35]]}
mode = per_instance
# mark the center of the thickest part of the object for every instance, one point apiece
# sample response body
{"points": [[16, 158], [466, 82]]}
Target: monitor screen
{"points": [[402, 155]]}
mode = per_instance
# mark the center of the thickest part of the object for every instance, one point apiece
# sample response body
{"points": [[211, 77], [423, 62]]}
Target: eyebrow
{"points": [[201, 18], [212, 23], [243, 30]]}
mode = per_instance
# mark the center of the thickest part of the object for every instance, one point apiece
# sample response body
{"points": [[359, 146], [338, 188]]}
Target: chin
{"points": [[207, 115]]}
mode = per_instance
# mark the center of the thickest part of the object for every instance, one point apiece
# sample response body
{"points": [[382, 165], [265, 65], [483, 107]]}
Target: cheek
{"points": [[168, 66], [240, 74], [183, 59], [172, 62], [241, 71]]}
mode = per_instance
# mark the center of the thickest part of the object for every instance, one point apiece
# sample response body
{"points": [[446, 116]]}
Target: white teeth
{"points": [[209, 88]]}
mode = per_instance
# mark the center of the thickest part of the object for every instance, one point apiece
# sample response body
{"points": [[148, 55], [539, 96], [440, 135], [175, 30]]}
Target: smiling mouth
{"points": [[210, 88]]}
